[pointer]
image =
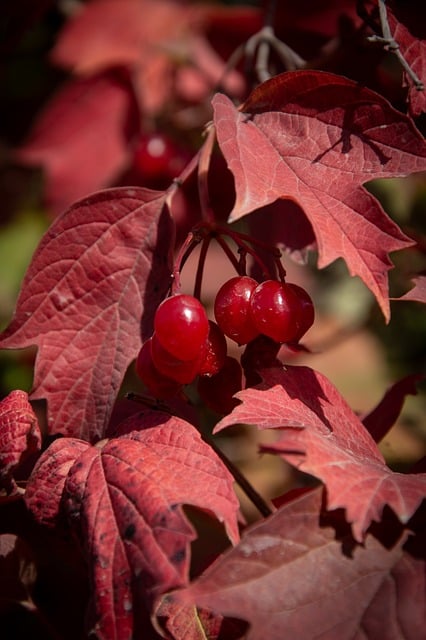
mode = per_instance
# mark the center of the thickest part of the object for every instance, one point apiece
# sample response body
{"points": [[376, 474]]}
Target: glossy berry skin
{"points": [[216, 348], [183, 371], [274, 306], [306, 313], [157, 157], [157, 384], [232, 309], [181, 326], [217, 391]]}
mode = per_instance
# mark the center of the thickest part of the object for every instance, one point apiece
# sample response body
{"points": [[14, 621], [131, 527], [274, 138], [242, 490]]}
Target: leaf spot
{"points": [[130, 531]]}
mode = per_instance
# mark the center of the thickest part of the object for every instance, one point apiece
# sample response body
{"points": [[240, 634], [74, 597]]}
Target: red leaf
{"points": [[323, 593], [124, 496], [407, 25], [148, 37], [418, 292], [320, 137], [19, 437], [45, 486], [99, 269], [330, 442], [383, 417], [81, 138]]}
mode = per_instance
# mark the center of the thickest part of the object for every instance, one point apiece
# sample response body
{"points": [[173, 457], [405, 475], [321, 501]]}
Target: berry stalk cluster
{"points": [[187, 346]]}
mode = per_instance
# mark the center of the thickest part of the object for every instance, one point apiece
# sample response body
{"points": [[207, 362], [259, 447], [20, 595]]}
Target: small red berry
{"points": [[183, 371], [273, 307], [158, 385], [306, 313], [181, 326], [157, 157], [232, 309]]}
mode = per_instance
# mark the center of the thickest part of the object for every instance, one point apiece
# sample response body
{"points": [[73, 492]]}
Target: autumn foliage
{"points": [[178, 126]]}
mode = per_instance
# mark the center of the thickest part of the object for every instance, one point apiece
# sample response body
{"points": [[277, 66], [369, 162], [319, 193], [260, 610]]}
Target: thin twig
{"points": [[392, 45], [263, 507]]}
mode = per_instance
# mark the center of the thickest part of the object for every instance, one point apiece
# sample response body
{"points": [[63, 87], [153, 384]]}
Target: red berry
{"points": [[157, 384], [182, 326], [217, 391], [183, 371], [306, 313], [232, 309], [157, 157], [216, 347], [274, 306]]}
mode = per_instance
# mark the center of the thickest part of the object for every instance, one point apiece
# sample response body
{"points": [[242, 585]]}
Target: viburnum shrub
{"points": [[120, 517]]}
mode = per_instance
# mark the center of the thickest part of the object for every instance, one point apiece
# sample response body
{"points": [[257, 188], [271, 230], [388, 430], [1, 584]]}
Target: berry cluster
{"points": [[186, 344]]}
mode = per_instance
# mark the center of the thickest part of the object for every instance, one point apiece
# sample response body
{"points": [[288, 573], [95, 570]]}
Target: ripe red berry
{"points": [[217, 391], [157, 157], [183, 371], [305, 316], [232, 309], [182, 326], [157, 384], [216, 348], [274, 306]]}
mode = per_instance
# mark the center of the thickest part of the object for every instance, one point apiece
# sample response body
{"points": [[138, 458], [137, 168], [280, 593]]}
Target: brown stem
{"points": [[392, 45]]}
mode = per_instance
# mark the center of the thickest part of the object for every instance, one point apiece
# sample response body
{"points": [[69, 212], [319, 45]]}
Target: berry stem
{"points": [[233, 260], [193, 238], [200, 267]]}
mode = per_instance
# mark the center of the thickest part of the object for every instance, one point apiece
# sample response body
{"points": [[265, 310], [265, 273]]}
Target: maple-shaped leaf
{"points": [[418, 292], [407, 23], [43, 493], [81, 138], [383, 417], [322, 436], [315, 138], [19, 438], [124, 498], [289, 578], [90, 291]]}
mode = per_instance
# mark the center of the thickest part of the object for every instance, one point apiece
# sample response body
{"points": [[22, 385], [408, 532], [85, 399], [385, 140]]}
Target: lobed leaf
{"points": [[322, 591], [19, 438], [90, 292], [320, 137], [418, 292], [329, 442], [124, 497]]}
